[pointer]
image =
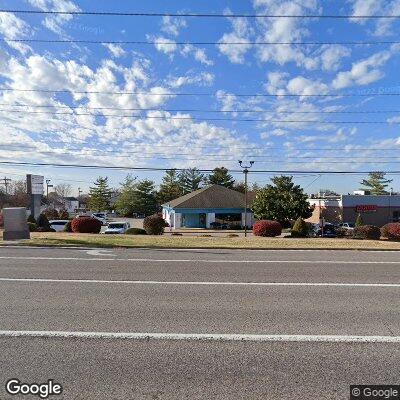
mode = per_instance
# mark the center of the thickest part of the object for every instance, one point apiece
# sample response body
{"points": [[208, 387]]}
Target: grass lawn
{"points": [[89, 240]]}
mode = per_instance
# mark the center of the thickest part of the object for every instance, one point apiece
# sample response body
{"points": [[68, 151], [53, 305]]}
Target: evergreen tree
{"points": [[190, 180], [282, 201], [359, 221], [125, 200], [100, 195], [170, 187], [221, 177], [145, 198], [376, 183], [240, 187]]}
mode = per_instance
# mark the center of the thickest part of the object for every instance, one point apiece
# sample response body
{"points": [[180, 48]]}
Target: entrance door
{"points": [[202, 220]]}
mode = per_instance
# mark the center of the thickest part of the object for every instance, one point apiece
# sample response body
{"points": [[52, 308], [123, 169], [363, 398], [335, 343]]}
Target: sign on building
{"points": [[365, 208], [35, 184]]}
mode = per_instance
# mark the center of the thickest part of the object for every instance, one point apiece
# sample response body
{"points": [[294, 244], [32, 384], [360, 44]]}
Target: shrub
{"points": [[359, 221], [176, 234], [63, 214], [206, 235], [32, 227], [51, 213], [86, 225], [300, 228], [367, 232], [232, 235], [67, 227], [267, 228], [42, 229], [343, 232], [391, 231], [43, 223], [31, 219], [154, 225], [135, 231]]}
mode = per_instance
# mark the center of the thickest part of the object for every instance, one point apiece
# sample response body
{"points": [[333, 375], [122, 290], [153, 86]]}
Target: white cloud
{"points": [[202, 79], [363, 72], [240, 34], [172, 25], [12, 27], [165, 45], [332, 55], [198, 54], [373, 7], [115, 49], [55, 22]]}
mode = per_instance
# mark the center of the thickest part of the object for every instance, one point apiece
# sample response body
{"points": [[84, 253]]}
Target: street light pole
{"points": [[245, 171], [47, 188]]}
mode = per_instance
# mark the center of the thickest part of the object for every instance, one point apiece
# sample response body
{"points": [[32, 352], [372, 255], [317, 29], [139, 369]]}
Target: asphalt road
{"points": [[199, 324]]}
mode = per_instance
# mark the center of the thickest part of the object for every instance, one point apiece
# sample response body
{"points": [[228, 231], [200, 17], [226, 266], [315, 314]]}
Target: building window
{"points": [[228, 221], [396, 216]]}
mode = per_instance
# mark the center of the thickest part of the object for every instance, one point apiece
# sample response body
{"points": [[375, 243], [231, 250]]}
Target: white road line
{"points": [[202, 261], [128, 282], [204, 337]]}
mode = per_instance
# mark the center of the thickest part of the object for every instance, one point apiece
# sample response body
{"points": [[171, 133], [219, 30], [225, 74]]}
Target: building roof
{"points": [[214, 196]]}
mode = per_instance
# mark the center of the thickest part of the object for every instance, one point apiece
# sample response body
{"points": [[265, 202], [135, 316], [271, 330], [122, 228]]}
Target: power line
{"points": [[202, 110], [167, 118], [197, 15], [36, 164], [198, 94], [209, 43]]}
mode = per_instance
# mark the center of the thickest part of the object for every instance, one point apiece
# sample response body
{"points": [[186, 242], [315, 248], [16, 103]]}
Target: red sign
{"points": [[366, 208]]}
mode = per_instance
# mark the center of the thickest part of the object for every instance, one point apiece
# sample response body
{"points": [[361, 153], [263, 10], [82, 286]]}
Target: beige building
{"points": [[375, 210]]}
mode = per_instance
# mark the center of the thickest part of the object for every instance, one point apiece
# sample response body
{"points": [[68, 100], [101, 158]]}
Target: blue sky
{"points": [[168, 133]]}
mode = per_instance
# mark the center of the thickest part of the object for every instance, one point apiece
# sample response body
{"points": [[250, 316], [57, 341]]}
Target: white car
{"points": [[347, 225], [117, 228], [58, 224], [102, 217]]}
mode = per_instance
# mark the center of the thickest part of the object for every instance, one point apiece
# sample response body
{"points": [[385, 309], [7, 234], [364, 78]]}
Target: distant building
{"points": [[212, 206], [375, 210]]}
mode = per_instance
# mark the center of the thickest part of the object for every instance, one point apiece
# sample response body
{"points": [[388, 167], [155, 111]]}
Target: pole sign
{"points": [[35, 184], [364, 208]]}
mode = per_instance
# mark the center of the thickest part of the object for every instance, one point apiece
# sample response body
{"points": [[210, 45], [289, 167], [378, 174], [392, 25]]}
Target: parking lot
{"points": [[224, 324]]}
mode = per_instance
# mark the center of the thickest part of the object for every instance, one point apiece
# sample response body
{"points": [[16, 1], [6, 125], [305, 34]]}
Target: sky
{"points": [[194, 105]]}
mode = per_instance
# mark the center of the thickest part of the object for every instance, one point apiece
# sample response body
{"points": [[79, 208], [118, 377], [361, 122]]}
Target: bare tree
{"points": [[62, 190]]}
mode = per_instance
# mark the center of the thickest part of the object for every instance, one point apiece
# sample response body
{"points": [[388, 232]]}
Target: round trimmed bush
{"points": [[391, 231], [135, 231], [86, 225], [43, 223], [32, 219], [32, 227], [300, 228], [267, 228], [154, 224], [367, 232]]}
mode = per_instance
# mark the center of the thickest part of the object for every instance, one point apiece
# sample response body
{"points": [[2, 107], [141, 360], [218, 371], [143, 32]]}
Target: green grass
{"points": [[167, 241]]}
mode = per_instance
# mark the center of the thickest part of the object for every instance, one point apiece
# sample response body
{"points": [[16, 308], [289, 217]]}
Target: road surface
{"points": [[199, 324]]}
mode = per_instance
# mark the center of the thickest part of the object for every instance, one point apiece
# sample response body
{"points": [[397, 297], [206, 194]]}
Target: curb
{"points": [[77, 247]]}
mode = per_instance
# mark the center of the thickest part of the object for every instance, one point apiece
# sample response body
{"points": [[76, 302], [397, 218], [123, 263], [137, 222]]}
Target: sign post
{"points": [[34, 184]]}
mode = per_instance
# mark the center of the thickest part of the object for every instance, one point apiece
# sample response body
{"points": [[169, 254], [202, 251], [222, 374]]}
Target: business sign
{"points": [[35, 184], [365, 208]]}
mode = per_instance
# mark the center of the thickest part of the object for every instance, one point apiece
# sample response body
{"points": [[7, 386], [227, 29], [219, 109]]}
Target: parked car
{"points": [[346, 225], [102, 217], [328, 230], [115, 228], [58, 224]]}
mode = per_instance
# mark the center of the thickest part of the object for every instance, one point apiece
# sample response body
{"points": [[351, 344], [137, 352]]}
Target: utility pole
{"points": [[245, 171], [6, 182], [47, 188], [79, 197]]}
